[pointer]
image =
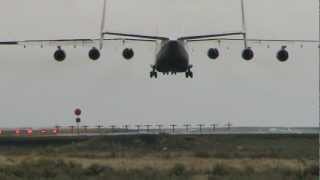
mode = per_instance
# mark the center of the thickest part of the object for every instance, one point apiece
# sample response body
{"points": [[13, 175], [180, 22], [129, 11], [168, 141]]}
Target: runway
{"points": [[178, 131]]}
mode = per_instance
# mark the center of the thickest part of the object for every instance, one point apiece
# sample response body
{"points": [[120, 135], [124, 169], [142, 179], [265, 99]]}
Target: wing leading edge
{"points": [[256, 40], [68, 42]]}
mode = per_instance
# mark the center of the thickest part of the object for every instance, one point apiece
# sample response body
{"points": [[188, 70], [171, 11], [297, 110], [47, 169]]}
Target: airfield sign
{"points": [[78, 112]]}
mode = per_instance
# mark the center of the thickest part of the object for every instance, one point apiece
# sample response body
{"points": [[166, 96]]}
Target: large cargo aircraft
{"points": [[172, 56]]}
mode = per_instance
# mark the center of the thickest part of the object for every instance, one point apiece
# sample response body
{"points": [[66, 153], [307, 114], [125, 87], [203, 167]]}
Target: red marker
{"points": [[43, 131], [17, 131], [29, 131], [77, 112]]}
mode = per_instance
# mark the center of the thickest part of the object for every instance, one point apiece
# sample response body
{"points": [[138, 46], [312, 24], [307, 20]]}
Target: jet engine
{"points": [[60, 55], [283, 54], [213, 53], [94, 54], [128, 53], [247, 54]]}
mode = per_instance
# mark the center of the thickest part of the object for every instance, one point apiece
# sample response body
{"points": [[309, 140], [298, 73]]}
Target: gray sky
{"points": [[37, 91]]}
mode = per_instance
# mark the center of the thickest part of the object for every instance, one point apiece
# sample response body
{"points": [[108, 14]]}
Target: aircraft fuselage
{"points": [[172, 57]]}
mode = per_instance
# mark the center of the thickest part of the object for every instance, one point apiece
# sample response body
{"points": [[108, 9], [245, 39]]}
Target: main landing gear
{"points": [[189, 73], [153, 73]]}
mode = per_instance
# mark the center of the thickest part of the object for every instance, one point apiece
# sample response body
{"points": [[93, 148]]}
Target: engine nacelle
{"points": [[59, 55], [94, 54], [128, 53], [283, 54], [213, 53], [247, 54]]}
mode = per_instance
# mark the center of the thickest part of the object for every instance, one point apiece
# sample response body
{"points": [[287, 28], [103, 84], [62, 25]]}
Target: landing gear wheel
{"points": [[153, 74], [189, 74]]}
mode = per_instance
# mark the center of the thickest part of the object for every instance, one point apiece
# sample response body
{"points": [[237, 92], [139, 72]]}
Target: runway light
{"points": [[29, 131], [213, 53], [283, 54], [94, 54], [59, 55], [247, 54], [43, 131], [17, 131]]}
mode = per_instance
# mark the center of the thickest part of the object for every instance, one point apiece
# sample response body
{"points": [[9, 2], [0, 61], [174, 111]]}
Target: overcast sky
{"points": [[37, 91]]}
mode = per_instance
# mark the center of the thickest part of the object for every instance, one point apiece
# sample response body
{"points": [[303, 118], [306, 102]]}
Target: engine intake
{"points": [[247, 54], [94, 54], [213, 53], [128, 53], [60, 55], [283, 54]]}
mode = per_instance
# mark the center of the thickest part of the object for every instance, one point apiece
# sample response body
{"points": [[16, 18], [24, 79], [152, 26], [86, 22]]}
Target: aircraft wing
{"points": [[201, 37], [255, 41], [221, 37], [248, 53], [68, 42], [137, 36]]}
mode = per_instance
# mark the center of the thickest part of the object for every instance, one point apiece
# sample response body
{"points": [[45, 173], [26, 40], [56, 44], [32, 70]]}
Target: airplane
{"points": [[172, 55]]}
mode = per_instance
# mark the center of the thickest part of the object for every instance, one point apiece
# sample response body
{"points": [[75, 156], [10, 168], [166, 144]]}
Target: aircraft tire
{"points": [[191, 74], [153, 74]]}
